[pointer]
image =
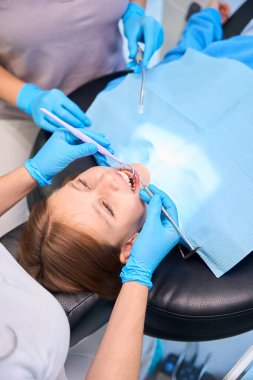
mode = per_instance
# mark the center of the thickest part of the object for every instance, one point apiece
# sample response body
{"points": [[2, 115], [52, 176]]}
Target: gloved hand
{"points": [[60, 150], [155, 240], [31, 98], [140, 28]]}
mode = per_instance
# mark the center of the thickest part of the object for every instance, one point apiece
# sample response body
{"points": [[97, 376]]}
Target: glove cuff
{"points": [[133, 8], [35, 173], [132, 271], [26, 95]]}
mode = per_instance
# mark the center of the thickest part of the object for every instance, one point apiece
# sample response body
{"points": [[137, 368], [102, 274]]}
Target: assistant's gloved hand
{"points": [[31, 98], [155, 240], [60, 150], [140, 28]]}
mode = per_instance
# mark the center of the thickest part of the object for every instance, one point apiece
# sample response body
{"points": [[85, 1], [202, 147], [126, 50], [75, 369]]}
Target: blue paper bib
{"points": [[196, 137]]}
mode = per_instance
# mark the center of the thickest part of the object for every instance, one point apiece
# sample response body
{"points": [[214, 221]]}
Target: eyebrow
{"points": [[95, 207]]}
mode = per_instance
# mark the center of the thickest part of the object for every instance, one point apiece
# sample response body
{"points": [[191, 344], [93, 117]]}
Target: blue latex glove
{"points": [[59, 151], [140, 28], [155, 240], [31, 98]]}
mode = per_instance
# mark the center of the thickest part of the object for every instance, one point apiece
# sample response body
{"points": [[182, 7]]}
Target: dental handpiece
{"points": [[192, 249], [76, 132]]}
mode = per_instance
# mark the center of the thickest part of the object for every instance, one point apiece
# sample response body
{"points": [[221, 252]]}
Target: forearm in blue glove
{"points": [[59, 151], [202, 30], [31, 98], [140, 28], [155, 240]]}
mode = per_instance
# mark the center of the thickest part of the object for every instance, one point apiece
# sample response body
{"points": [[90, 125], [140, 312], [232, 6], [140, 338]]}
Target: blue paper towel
{"points": [[196, 137]]}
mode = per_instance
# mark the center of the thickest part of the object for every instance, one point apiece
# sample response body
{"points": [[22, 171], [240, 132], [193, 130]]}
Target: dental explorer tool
{"points": [[138, 59], [192, 249], [76, 132]]}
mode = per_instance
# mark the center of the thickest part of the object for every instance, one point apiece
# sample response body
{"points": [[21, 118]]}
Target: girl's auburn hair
{"points": [[63, 258]]}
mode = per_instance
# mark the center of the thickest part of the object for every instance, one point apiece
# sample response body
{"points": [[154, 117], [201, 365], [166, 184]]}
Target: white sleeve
{"points": [[23, 373], [38, 321]]}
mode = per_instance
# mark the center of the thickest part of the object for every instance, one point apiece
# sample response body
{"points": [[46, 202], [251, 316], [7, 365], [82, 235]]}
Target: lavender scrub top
{"points": [[59, 43]]}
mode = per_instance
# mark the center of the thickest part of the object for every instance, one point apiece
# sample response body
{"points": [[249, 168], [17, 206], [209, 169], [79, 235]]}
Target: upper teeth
{"points": [[125, 176]]}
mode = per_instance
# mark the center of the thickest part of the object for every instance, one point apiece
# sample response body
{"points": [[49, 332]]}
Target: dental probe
{"points": [[192, 249], [76, 132]]}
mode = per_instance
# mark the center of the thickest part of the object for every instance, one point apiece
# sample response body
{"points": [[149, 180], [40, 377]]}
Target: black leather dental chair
{"points": [[186, 303]]}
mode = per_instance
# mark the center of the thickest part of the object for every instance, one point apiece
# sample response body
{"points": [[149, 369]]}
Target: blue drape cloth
{"points": [[196, 138]]}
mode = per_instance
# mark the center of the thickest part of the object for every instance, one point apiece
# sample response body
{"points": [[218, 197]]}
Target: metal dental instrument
{"points": [[76, 132], [192, 249], [138, 59]]}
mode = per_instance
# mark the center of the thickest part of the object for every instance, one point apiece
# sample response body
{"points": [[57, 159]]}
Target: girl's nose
{"points": [[109, 182]]}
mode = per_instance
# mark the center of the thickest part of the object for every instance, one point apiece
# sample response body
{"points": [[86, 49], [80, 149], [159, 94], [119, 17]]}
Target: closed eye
{"points": [[84, 183], [108, 207]]}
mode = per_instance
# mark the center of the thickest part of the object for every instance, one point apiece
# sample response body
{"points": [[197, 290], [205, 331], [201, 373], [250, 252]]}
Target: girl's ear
{"points": [[126, 249]]}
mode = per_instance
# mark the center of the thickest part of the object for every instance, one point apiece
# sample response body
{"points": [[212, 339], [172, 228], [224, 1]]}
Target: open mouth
{"points": [[129, 177]]}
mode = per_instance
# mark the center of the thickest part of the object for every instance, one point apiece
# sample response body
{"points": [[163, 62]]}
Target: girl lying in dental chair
{"points": [[83, 233]]}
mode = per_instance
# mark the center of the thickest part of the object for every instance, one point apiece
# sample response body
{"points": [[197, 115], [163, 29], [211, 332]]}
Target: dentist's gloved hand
{"points": [[155, 240], [31, 98], [60, 150], [140, 28]]}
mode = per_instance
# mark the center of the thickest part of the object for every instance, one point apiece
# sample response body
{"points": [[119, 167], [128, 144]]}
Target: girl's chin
{"points": [[143, 171]]}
